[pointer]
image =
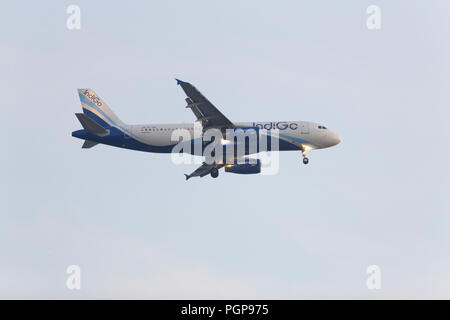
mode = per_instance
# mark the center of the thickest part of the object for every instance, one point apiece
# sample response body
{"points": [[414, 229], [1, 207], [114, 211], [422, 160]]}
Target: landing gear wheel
{"points": [[305, 160], [214, 172]]}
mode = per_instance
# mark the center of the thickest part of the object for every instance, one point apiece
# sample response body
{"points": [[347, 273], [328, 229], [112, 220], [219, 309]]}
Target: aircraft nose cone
{"points": [[334, 139]]}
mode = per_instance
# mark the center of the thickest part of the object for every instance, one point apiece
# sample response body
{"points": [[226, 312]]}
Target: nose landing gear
{"points": [[305, 158]]}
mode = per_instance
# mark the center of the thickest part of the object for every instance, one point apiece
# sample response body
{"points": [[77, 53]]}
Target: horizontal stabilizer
{"points": [[89, 144], [91, 126]]}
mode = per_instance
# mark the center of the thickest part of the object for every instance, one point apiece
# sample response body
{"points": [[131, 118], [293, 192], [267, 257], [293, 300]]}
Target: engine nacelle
{"points": [[244, 168]]}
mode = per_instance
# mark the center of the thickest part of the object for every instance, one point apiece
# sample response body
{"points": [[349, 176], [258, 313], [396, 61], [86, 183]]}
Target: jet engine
{"points": [[244, 168]]}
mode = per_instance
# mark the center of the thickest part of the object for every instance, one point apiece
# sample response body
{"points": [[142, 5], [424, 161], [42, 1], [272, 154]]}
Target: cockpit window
{"points": [[322, 127]]}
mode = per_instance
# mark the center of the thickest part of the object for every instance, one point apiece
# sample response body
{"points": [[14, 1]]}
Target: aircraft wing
{"points": [[204, 110], [203, 170]]}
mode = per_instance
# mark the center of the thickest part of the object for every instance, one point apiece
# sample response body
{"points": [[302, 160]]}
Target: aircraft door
{"points": [[305, 128]]}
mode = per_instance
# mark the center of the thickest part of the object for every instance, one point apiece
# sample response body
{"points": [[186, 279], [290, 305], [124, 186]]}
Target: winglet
{"points": [[178, 81], [187, 176]]}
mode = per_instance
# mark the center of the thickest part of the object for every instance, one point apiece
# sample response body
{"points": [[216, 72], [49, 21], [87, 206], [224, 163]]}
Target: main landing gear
{"points": [[305, 158], [214, 172]]}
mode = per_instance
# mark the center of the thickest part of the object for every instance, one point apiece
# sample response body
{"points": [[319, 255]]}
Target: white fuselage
{"points": [[293, 135]]}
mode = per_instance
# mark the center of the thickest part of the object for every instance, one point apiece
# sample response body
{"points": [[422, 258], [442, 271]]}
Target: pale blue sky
{"points": [[133, 224]]}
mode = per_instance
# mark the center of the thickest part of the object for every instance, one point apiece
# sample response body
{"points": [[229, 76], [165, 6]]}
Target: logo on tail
{"points": [[92, 97]]}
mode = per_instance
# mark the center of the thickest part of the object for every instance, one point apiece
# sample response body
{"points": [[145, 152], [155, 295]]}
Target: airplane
{"points": [[102, 126]]}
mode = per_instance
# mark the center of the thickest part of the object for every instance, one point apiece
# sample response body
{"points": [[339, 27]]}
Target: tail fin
{"points": [[97, 109]]}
